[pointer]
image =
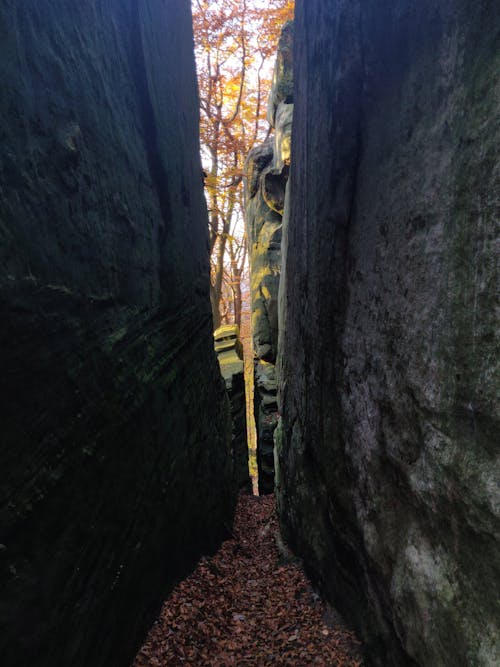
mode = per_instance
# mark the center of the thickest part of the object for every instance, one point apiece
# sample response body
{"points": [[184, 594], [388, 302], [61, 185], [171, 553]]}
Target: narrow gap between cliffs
{"points": [[250, 603]]}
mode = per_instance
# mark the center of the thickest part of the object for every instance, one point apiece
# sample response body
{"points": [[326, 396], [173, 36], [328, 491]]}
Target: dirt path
{"points": [[245, 606]]}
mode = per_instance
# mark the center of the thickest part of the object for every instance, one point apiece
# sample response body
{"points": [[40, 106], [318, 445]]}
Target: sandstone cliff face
{"points": [[266, 175], [388, 452], [115, 454], [264, 238]]}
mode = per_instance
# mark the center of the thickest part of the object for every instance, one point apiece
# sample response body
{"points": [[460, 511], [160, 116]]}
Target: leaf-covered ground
{"points": [[248, 605]]}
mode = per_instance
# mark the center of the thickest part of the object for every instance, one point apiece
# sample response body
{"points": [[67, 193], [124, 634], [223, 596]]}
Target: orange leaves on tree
{"points": [[235, 47]]}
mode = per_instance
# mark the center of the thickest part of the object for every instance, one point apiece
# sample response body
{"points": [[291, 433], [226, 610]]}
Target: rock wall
{"points": [[266, 175], [115, 467], [230, 356], [236, 392], [388, 453]]}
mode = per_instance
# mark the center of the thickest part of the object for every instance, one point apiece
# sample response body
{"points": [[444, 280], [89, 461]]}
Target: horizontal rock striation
{"points": [[388, 449], [115, 469]]}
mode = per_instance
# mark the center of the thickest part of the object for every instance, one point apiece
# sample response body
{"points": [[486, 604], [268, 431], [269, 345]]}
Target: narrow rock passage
{"points": [[248, 605]]}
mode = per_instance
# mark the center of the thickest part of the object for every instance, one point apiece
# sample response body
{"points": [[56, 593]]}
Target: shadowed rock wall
{"points": [[388, 450], [115, 447], [235, 387], [230, 356]]}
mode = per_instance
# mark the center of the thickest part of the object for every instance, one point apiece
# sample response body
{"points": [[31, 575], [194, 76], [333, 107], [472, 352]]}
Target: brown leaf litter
{"points": [[249, 605]]}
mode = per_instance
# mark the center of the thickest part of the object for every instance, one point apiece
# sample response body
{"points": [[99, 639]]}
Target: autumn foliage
{"points": [[235, 47], [250, 604]]}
